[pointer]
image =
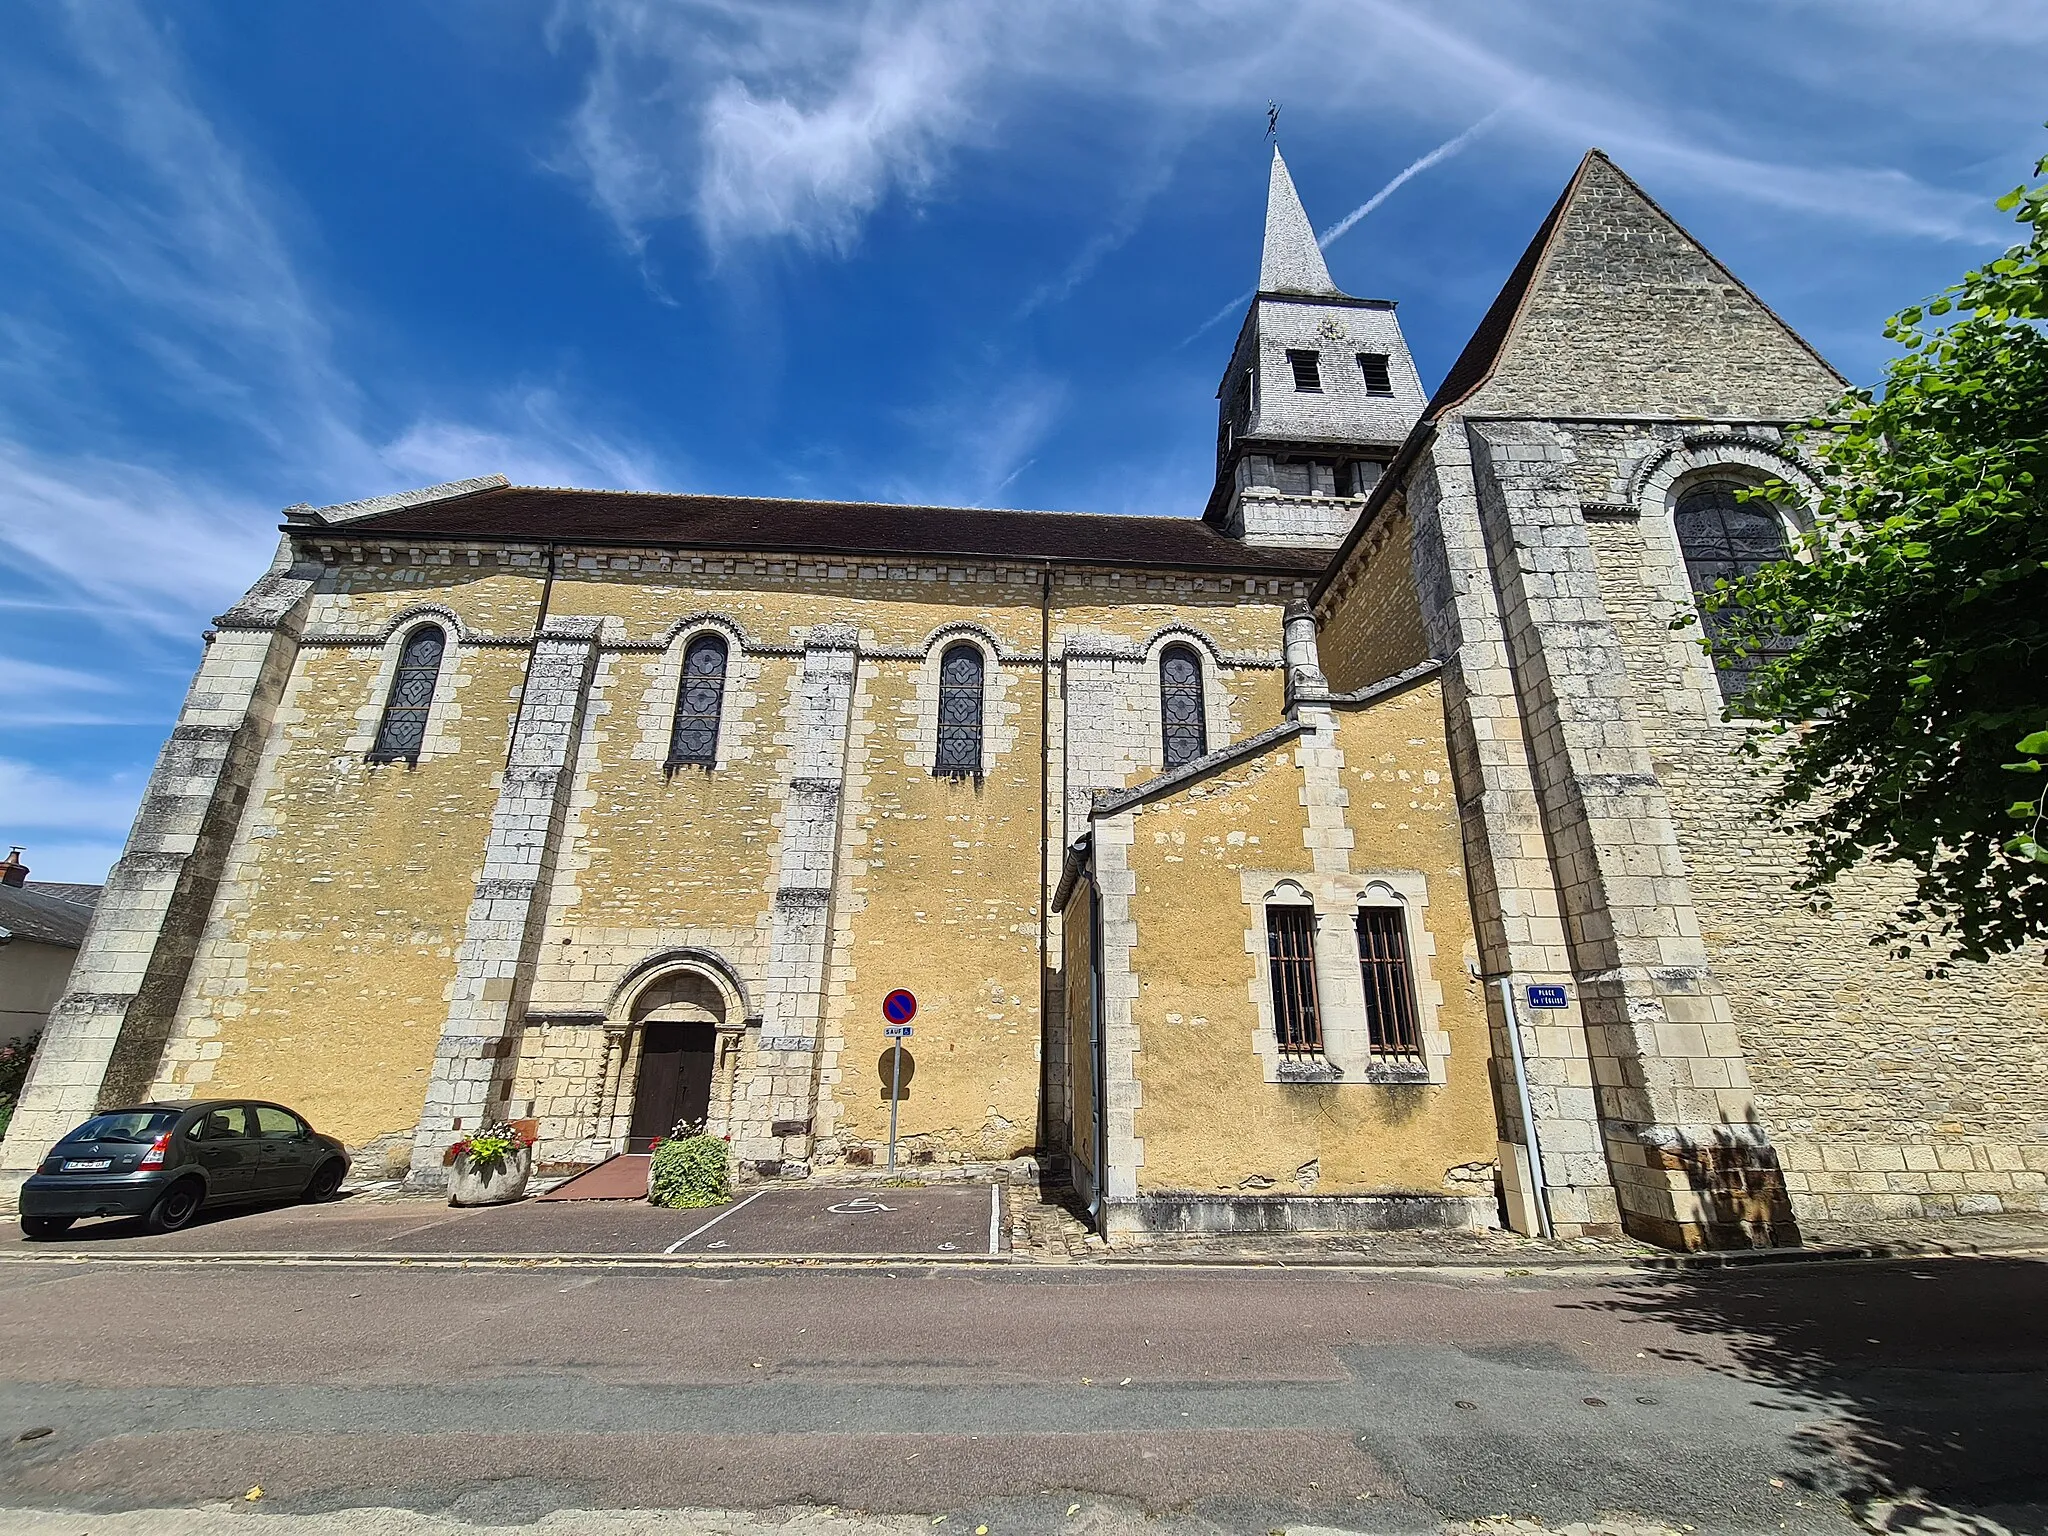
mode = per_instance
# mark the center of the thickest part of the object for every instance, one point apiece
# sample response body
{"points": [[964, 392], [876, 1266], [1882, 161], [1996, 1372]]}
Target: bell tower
{"points": [[1319, 394]]}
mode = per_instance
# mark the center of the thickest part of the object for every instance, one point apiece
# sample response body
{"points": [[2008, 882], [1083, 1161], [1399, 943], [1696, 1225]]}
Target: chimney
{"points": [[12, 870]]}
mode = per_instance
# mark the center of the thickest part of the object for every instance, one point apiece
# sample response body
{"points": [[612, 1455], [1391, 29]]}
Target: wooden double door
{"points": [[675, 1080]]}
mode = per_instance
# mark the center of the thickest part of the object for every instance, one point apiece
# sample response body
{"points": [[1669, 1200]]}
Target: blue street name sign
{"points": [[897, 1031], [1546, 997]]}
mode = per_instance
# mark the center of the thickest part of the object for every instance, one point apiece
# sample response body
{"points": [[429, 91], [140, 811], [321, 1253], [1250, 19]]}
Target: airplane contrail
{"points": [[1443, 151], [1342, 227]]}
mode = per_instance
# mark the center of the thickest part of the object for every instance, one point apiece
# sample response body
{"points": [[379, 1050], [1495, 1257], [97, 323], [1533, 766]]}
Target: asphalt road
{"points": [[1758, 1400]]}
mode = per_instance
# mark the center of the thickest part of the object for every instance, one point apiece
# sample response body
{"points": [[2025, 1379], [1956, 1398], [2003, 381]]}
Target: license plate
{"points": [[87, 1164]]}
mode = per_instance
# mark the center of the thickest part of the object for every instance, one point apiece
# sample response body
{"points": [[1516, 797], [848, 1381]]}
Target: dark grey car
{"points": [[164, 1161]]}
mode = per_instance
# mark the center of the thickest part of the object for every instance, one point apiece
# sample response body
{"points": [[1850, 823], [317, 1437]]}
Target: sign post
{"points": [[899, 1008]]}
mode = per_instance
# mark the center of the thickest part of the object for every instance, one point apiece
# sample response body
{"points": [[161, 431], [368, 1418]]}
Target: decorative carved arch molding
{"points": [[682, 985], [413, 613], [635, 985], [1655, 483]]}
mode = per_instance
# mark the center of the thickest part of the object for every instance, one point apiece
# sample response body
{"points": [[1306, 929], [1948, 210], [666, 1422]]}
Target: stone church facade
{"points": [[1369, 851]]}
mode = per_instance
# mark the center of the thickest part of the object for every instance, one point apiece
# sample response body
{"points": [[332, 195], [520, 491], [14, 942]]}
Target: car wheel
{"points": [[175, 1208], [41, 1228], [326, 1181]]}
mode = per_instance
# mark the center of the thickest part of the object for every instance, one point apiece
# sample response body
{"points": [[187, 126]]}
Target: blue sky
{"points": [[258, 254]]}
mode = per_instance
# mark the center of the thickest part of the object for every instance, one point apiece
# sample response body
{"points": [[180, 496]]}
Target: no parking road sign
{"points": [[899, 1008]]}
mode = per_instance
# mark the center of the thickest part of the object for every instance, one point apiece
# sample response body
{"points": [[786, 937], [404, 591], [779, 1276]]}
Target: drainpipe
{"points": [[1044, 852], [1531, 1143], [1098, 1204]]}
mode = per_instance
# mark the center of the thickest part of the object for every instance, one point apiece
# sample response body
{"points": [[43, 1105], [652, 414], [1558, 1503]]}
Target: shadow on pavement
{"points": [[102, 1229], [1933, 1378]]}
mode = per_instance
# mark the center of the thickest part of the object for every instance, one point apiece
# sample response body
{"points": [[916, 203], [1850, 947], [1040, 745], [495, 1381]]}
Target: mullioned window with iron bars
{"points": [[1291, 958], [1392, 1030]]}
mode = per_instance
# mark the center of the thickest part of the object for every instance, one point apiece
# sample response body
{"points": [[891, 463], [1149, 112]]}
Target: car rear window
{"points": [[126, 1125]]}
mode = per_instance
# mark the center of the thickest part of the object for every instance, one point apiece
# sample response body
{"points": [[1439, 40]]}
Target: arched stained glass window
{"points": [[959, 747], [1725, 538], [403, 730], [700, 701], [1180, 705]]}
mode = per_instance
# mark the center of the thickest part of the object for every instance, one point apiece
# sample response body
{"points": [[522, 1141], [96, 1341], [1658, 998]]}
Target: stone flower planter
{"points": [[504, 1183]]}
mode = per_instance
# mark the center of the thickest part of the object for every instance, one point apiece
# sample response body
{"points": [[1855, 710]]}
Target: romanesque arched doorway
{"points": [[677, 1017]]}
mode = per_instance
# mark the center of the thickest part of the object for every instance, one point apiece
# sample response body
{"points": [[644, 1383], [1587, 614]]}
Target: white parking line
{"points": [[714, 1221], [995, 1214]]}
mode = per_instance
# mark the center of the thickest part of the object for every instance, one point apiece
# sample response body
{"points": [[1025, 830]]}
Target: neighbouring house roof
{"points": [[531, 514], [33, 913]]}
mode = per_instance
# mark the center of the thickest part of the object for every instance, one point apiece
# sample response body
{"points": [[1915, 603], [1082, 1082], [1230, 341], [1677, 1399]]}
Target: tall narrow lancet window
{"points": [[700, 701], [403, 730], [959, 751], [1180, 705], [1725, 538]]}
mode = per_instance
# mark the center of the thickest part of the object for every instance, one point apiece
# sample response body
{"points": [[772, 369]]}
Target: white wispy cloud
{"points": [[172, 231], [766, 120], [39, 802], [71, 825], [979, 440]]}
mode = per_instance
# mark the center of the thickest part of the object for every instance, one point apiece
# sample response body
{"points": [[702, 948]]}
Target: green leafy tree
{"points": [[1916, 610]]}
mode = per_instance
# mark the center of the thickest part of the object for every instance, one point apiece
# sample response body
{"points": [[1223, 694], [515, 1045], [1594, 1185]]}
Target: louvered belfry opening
{"points": [[1180, 705], [1372, 368], [700, 701], [959, 745], [1389, 988], [1291, 956], [1308, 373], [403, 731]]}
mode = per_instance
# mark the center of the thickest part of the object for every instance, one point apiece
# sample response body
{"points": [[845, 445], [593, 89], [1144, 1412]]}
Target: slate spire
{"points": [[1292, 262]]}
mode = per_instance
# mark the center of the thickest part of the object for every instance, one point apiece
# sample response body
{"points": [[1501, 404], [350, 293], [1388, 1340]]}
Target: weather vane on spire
{"points": [[1273, 121]]}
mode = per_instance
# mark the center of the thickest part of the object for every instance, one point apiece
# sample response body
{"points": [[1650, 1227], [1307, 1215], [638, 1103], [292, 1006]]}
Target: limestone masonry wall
{"points": [[1371, 623], [1886, 1092]]}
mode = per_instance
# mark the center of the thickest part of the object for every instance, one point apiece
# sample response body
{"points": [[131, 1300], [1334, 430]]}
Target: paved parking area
{"points": [[945, 1219], [941, 1221]]}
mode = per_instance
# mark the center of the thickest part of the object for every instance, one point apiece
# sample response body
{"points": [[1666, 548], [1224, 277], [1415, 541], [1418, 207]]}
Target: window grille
{"points": [[403, 730], [1291, 956], [959, 749], [1390, 1025], [1308, 373], [1725, 539], [1180, 705], [700, 701], [1372, 367]]}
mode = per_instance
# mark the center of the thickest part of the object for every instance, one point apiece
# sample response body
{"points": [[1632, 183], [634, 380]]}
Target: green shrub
{"points": [[689, 1171], [14, 1060]]}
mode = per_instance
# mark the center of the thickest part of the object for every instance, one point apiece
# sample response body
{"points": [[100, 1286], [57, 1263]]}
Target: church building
{"points": [[1367, 851]]}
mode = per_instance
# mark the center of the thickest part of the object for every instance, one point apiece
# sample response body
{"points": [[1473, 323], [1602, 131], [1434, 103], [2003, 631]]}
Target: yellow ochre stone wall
{"points": [[1371, 626], [941, 896], [1207, 1118], [322, 978], [325, 974]]}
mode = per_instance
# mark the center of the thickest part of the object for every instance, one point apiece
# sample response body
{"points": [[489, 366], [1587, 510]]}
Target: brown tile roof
{"points": [[529, 514]]}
